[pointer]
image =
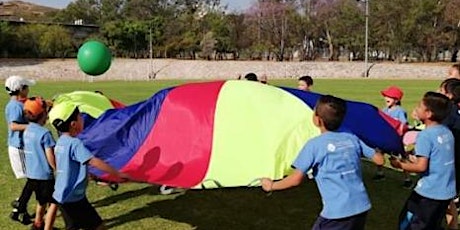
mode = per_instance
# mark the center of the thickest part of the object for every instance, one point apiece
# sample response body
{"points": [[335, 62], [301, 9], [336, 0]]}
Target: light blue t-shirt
{"points": [[336, 162], [71, 169], [397, 112], [36, 140], [437, 144], [13, 113]]}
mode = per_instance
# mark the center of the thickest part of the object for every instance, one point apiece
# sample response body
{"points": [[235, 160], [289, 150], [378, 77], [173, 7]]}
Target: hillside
{"points": [[15, 10]]}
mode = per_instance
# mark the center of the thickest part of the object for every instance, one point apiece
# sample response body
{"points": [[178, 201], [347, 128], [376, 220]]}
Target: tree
{"points": [[6, 38], [87, 10], [55, 42], [272, 19], [30, 35]]}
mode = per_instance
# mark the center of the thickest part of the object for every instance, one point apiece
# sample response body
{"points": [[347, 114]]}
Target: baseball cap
{"points": [[61, 112], [15, 83], [393, 92], [35, 106]]}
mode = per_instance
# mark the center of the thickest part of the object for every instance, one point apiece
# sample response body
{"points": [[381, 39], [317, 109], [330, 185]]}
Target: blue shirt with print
{"points": [[71, 169], [14, 113], [336, 162], [437, 144], [396, 112], [36, 140]]}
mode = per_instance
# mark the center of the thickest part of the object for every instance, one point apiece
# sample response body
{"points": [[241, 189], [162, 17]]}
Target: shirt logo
{"points": [[331, 147], [440, 140]]}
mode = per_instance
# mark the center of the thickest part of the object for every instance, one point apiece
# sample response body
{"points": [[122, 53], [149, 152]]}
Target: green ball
{"points": [[94, 58]]}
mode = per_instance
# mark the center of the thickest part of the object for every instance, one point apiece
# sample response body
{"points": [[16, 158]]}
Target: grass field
{"points": [[137, 206]]}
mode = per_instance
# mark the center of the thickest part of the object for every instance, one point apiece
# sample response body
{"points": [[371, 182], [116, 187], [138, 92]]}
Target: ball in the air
{"points": [[94, 58]]}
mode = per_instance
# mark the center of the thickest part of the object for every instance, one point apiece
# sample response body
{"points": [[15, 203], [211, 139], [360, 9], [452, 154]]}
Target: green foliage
{"points": [[269, 29], [29, 36], [6, 36], [55, 42]]}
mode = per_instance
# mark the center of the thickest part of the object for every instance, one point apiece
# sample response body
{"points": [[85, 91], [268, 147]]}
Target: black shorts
{"points": [[422, 213], [80, 215], [43, 190], [356, 222]]}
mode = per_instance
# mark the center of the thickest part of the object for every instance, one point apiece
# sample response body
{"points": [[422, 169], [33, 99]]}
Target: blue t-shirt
{"points": [[437, 144], [397, 112], [336, 162], [71, 169], [36, 140], [13, 113]]}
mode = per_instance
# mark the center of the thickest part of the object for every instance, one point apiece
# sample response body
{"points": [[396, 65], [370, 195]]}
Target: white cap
{"points": [[15, 83]]}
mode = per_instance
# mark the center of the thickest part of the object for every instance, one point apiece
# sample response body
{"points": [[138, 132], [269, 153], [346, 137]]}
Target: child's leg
{"points": [[80, 215], [25, 196], [17, 162], [452, 216], [20, 210], [39, 213], [426, 213], [50, 216]]}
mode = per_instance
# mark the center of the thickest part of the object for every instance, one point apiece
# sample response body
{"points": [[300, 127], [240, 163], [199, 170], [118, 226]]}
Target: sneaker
{"points": [[15, 203], [378, 177], [23, 218], [407, 184]]}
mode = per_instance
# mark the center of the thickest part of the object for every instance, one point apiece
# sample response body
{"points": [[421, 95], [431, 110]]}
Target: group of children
{"points": [[56, 171], [334, 158]]}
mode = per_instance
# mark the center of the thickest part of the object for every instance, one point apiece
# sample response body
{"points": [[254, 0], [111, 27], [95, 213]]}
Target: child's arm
{"points": [[17, 127], [418, 166], [101, 165], [50, 157], [378, 158], [291, 181]]}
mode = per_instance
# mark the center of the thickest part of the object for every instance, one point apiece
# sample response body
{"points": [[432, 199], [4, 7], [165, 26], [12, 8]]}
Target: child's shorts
{"points": [[422, 213], [17, 161], [356, 222], [43, 190], [80, 215]]}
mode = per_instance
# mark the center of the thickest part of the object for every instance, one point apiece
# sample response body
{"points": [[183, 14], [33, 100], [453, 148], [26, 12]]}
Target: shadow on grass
{"points": [[250, 208], [236, 208], [123, 196]]}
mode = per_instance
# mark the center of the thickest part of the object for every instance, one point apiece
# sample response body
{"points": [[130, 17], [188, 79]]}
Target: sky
{"points": [[233, 4]]}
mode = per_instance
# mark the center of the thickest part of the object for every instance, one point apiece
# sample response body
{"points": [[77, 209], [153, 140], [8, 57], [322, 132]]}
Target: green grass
{"points": [[137, 206]]}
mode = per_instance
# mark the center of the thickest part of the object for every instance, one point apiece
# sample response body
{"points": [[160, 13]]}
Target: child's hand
{"points": [[414, 115], [267, 184], [125, 177], [395, 162], [412, 158]]}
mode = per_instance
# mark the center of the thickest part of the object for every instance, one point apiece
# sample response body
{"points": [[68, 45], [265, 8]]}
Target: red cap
{"points": [[393, 92]]}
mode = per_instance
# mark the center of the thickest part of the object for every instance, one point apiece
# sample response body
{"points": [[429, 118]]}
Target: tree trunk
{"points": [[331, 45]]}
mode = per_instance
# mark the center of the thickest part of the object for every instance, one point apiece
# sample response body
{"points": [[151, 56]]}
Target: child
{"points": [[434, 150], [72, 160], [18, 89], [305, 83], [451, 88], [336, 161], [251, 77], [40, 162], [393, 96], [454, 71]]}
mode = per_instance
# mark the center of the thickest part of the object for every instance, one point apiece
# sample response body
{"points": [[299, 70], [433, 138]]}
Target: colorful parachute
{"points": [[220, 134]]}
